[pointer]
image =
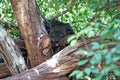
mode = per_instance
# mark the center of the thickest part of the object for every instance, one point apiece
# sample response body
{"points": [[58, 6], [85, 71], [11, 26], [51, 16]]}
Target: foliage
{"points": [[6, 17], [6, 12], [89, 18], [107, 25]]}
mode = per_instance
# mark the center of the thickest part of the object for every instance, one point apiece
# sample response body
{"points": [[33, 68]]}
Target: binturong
{"points": [[58, 33]]}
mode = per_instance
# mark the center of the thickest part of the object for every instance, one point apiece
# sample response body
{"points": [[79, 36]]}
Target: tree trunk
{"points": [[32, 29], [11, 53]]}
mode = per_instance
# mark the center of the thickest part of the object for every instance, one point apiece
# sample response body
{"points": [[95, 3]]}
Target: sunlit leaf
{"points": [[116, 58], [108, 58], [107, 69], [117, 71], [96, 45], [104, 32], [73, 42], [93, 61], [81, 52], [117, 20], [88, 71], [71, 38], [78, 35], [95, 70], [74, 73], [82, 62], [98, 58], [89, 54], [78, 76], [99, 77], [88, 78]]}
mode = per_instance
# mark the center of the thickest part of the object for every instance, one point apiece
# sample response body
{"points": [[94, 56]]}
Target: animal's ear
{"points": [[47, 25], [69, 29]]}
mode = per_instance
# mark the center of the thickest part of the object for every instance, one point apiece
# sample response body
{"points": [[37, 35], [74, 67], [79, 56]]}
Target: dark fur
{"points": [[58, 33]]}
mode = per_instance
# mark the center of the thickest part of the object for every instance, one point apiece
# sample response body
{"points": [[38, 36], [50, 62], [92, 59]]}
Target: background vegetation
{"points": [[89, 18]]}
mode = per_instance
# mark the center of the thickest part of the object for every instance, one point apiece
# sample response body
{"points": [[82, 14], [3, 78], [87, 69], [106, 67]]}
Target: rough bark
{"points": [[32, 29], [59, 65], [20, 43], [35, 37], [4, 72], [11, 53]]}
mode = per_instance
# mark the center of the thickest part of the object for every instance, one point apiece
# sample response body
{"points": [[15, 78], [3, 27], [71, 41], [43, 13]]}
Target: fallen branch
{"points": [[59, 65]]}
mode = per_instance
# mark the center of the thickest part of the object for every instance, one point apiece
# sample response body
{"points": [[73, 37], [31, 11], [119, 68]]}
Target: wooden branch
{"points": [[67, 10], [4, 72], [20, 43], [59, 65]]}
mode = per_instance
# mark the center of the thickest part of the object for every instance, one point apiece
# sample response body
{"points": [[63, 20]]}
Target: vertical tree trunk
{"points": [[32, 29]]}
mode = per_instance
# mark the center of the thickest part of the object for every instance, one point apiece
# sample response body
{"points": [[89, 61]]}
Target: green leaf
{"points": [[104, 52], [88, 78], [73, 42], [93, 61], [78, 35], [95, 45], [79, 75], [95, 70], [81, 52], [94, 6], [104, 32], [117, 35], [108, 58], [117, 20], [89, 54], [88, 71], [98, 58], [107, 69], [82, 62], [116, 58], [97, 24], [118, 49], [117, 71], [74, 73], [99, 77], [71, 38], [111, 1], [113, 67]]}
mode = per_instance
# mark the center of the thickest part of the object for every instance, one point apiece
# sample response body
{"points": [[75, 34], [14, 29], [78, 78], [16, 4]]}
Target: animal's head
{"points": [[59, 31], [56, 36]]}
